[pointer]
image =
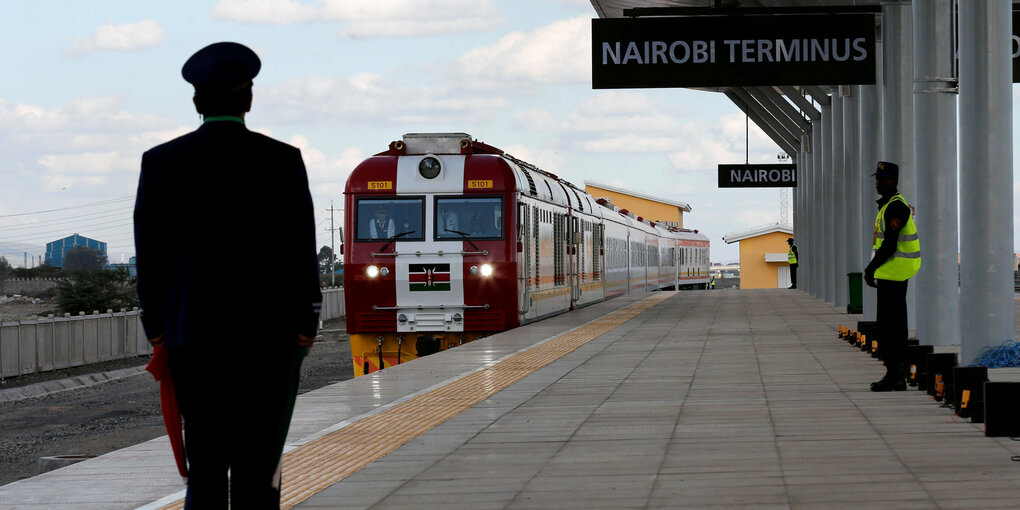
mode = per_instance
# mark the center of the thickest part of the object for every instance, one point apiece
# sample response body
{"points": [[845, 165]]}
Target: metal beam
{"points": [[766, 121], [637, 12], [817, 93], [785, 108], [802, 102]]}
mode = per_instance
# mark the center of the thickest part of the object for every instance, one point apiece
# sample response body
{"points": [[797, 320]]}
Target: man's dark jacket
{"points": [[225, 236]]}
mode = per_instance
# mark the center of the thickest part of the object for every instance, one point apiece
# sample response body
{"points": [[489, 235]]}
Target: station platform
{"points": [[703, 399]]}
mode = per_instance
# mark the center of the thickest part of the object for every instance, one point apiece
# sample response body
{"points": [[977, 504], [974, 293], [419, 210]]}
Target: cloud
{"points": [[370, 99], [556, 53], [369, 18], [90, 142], [120, 37], [606, 112], [549, 159]]}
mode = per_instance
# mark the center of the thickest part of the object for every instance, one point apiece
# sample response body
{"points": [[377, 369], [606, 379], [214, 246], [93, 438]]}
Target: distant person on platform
{"points": [[897, 258], [235, 368], [792, 255]]}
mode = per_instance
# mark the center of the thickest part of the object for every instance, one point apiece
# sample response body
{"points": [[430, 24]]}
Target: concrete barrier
{"points": [[52, 343], [332, 303], [27, 285]]}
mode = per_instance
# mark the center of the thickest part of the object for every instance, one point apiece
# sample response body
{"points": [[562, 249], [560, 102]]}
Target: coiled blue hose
{"points": [[1006, 354]]}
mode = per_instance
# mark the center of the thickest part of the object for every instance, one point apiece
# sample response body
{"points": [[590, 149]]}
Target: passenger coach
{"points": [[448, 239]]}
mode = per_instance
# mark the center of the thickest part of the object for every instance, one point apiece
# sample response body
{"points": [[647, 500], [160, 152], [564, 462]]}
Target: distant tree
{"points": [[325, 254], [85, 291], [81, 258], [5, 268], [43, 271]]}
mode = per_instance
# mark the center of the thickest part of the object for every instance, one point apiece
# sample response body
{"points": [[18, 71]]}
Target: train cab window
{"points": [[469, 218], [390, 218]]}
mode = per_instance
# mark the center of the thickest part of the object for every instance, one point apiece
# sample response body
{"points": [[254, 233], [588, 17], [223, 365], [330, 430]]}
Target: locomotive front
{"points": [[428, 258]]}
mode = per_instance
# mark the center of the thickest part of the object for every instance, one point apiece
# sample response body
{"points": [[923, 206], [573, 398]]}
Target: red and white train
{"points": [[447, 239]]}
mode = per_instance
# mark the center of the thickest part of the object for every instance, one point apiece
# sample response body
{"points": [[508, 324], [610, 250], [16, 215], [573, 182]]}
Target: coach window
{"points": [[389, 218], [469, 218]]}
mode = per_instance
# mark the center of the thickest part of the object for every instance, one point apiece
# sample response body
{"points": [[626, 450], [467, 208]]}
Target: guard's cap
{"points": [[887, 169], [222, 66]]}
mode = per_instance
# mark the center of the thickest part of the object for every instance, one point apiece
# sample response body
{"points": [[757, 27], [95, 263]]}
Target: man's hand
{"points": [[869, 278], [306, 342], [158, 341]]}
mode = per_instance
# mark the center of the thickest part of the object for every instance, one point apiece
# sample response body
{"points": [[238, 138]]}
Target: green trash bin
{"points": [[856, 304]]}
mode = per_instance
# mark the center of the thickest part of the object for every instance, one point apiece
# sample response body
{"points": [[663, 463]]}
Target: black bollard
{"points": [[939, 367], [915, 362], [969, 392], [1002, 414]]}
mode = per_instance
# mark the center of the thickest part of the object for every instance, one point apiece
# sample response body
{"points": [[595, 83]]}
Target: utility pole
{"points": [[332, 247], [332, 244], [784, 201]]}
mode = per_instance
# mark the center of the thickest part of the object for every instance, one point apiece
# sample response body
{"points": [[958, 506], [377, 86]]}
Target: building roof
{"points": [[617, 189], [740, 235]]}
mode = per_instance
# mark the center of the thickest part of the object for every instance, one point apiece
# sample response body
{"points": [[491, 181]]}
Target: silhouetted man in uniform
{"points": [[793, 256], [897, 259], [236, 327]]}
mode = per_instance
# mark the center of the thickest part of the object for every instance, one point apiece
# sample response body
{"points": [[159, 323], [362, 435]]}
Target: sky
{"points": [[87, 87]]}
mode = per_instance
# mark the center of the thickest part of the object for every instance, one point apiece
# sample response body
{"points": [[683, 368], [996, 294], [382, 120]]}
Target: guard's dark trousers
{"points": [[793, 275], [892, 321], [236, 407]]}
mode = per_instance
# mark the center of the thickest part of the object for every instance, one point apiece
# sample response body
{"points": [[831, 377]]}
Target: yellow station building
{"points": [[763, 256], [659, 210]]}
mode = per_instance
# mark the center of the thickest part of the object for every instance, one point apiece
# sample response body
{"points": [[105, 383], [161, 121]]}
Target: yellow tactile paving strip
{"points": [[311, 468]]}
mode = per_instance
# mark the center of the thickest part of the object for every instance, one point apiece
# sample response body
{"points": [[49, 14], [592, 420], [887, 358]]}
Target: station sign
{"points": [[733, 51], [758, 176], [1016, 47]]}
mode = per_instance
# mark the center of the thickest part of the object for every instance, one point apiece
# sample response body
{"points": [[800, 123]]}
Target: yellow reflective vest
{"points": [[790, 256], [905, 263]]}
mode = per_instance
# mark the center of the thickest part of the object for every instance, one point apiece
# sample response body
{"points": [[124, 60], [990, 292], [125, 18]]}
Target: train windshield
{"points": [[390, 218], [469, 218]]}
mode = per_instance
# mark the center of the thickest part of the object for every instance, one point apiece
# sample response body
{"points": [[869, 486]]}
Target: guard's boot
{"points": [[895, 378]]}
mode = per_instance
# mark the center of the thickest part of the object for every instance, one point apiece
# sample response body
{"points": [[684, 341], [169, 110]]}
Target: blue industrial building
{"points": [[55, 251]]}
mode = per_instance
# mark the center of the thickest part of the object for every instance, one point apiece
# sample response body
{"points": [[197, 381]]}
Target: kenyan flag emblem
{"points": [[427, 277]]}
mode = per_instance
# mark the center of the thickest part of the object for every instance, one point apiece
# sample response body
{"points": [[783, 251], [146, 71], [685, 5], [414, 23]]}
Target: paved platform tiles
{"points": [[708, 399], [725, 399]]}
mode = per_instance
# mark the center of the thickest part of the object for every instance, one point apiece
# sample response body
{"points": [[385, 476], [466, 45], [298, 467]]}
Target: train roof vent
{"points": [[434, 143], [531, 182], [580, 204]]}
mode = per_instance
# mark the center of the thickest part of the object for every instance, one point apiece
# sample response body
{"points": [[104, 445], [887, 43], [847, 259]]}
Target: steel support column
{"points": [[828, 210], [935, 157], [817, 256], [852, 172], [897, 108], [986, 187], [871, 148], [838, 190]]}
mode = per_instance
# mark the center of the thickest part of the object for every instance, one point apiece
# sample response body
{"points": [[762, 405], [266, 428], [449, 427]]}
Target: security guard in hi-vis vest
{"points": [[792, 257], [897, 258]]}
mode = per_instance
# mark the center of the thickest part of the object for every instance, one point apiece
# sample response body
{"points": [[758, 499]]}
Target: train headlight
{"points": [[457, 317], [384, 271], [429, 167], [372, 271], [473, 270], [402, 318], [486, 270]]}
